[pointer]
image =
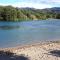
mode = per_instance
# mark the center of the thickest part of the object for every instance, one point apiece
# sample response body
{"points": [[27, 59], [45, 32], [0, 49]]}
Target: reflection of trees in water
{"points": [[8, 27]]}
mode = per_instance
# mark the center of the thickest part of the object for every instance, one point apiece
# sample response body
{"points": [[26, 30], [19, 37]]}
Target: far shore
{"points": [[38, 51]]}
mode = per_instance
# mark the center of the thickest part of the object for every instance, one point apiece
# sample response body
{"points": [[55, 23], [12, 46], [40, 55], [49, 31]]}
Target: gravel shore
{"points": [[39, 51]]}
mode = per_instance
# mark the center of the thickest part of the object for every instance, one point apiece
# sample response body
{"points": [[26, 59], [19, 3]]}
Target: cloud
{"points": [[29, 4], [33, 5], [51, 1], [39, 1], [39, 4], [55, 1]]}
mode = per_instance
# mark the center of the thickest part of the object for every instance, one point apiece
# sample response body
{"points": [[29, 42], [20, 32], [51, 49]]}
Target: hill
{"points": [[9, 13]]}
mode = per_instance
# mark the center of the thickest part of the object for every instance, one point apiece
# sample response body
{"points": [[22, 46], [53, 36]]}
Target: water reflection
{"points": [[8, 27], [21, 33]]}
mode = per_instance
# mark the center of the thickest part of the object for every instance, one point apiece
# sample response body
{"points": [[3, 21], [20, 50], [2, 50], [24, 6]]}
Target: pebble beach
{"points": [[39, 51]]}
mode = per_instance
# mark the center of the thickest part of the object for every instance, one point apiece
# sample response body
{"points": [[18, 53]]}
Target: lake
{"points": [[21, 33]]}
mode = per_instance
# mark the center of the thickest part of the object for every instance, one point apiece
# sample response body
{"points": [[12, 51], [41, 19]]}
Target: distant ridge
{"points": [[10, 13]]}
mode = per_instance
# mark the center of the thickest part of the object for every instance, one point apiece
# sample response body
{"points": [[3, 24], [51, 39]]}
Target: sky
{"points": [[38, 4]]}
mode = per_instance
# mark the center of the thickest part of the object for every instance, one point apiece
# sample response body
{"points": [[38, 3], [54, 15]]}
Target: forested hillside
{"points": [[9, 13]]}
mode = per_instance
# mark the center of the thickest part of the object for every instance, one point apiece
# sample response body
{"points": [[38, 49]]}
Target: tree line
{"points": [[10, 13]]}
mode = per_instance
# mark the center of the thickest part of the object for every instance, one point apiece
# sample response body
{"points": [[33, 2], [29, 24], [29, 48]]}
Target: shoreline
{"points": [[32, 44], [39, 51]]}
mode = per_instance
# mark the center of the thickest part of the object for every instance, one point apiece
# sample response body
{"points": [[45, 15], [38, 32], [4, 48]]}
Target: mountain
{"points": [[54, 9], [9, 13]]}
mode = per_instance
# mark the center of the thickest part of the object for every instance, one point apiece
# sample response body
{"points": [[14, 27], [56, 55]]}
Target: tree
{"points": [[58, 16]]}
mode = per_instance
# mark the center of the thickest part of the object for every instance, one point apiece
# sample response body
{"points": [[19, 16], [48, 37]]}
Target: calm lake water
{"points": [[20, 33]]}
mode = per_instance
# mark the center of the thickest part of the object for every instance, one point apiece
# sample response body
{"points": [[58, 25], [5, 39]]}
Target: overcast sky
{"points": [[39, 4]]}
